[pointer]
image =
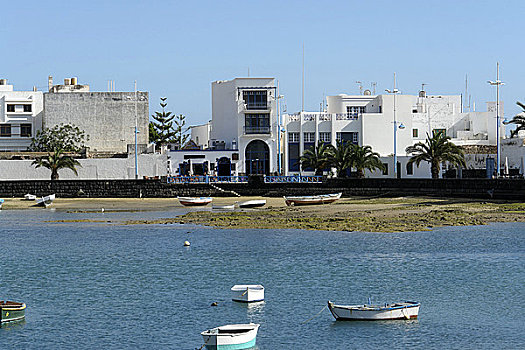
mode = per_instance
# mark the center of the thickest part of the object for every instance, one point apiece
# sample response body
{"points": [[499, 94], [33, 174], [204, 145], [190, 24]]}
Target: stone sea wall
{"points": [[452, 188]]}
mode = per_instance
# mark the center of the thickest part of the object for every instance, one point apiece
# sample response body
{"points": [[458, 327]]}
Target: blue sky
{"points": [[177, 48]]}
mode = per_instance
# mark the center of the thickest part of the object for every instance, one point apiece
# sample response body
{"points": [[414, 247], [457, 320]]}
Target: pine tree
{"points": [[163, 125], [180, 132]]}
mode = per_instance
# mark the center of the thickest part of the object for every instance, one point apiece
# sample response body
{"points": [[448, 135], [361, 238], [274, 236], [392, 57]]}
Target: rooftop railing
{"points": [[293, 179], [206, 179]]}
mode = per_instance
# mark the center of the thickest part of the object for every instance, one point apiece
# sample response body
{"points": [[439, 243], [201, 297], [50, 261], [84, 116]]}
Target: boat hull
{"points": [[247, 293], [46, 201], [400, 311], [253, 204], [12, 311], [194, 201], [311, 200], [231, 337]]}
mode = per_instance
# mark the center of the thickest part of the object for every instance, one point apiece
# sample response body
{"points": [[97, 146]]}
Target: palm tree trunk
{"points": [[54, 174], [435, 170], [360, 174]]}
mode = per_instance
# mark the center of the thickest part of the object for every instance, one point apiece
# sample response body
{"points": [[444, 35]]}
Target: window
{"points": [[27, 108], [325, 137], [25, 130], [385, 171], [10, 108], [293, 137], [380, 109], [352, 137], [414, 110], [5, 130], [354, 111], [410, 168], [293, 156], [439, 131], [309, 137], [255, 99], [257, 123], [415, 133]]}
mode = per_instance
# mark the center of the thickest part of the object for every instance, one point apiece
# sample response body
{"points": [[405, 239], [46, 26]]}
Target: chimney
{"points": [[67, 81], [3, 81], [34, 88], [50, 82], [74, 81]]}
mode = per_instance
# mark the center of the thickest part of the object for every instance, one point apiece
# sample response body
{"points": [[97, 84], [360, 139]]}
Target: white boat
{"points": [[46, 201], [308, 200], [395, 311], [1, 203], [194, 201], [247, 293], [254, 203], [231, 337], [223, 207], [29, 197]]}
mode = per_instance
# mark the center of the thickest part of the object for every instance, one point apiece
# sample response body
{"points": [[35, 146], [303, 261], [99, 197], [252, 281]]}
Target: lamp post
{"points": [[497, 83], [136, 132], [395, 91], [278, 98]]}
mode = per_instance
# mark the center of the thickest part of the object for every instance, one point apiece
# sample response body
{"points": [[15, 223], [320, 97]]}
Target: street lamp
{"points": [[395, 91], [497, 83], [278, 98]]}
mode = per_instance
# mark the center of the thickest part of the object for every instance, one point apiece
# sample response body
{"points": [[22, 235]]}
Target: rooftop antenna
{"points": [[423, 86], [467, 96], [374, 84], [248, 72], [360, 87]]}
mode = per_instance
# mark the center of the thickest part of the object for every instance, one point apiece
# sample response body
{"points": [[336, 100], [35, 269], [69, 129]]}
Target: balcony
{"points": [[256, 106], [250, 130]]}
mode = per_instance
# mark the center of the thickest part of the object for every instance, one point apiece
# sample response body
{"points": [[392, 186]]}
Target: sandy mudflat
{"points": [[347, 214]]}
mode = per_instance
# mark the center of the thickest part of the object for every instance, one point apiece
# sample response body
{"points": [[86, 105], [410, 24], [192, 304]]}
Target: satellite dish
{"points": [[367, 92]]}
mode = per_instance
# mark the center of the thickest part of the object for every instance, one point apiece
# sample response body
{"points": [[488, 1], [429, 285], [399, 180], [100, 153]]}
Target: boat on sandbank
{"points": [[45, 201], [194, 201], [254, 203], [312, 200]]}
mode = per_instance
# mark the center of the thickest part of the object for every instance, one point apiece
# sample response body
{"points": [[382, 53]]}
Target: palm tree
{"points": [[436, 150], [519, 120], [340, 158], [362, 157], [56, 161], [317, 157]]}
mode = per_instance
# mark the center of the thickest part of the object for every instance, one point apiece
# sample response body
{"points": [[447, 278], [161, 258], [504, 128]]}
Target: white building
{"points": [[369, 120], [242, 133], [20, 117]]}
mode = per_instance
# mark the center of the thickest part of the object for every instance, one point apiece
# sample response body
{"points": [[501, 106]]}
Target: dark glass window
{"points": [[255, 99], [27, 108], [415, 132], [255, 123], [440, 131], [10, 108], [25, 130], [307, 146], [5, 130], [293, 156], [385, 172], [410, 168]]}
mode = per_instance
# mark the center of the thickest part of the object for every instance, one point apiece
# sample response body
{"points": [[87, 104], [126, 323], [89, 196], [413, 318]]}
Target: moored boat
{"points": [[231, 337], [254, 203], [1, 203], [247, 293], [11, 311], [395, 311], [194, 201], [310, 200], [46, 201]]}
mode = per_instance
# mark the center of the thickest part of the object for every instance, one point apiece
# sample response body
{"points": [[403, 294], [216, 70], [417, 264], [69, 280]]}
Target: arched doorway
{"points": [[257, 157], [224, 167]]}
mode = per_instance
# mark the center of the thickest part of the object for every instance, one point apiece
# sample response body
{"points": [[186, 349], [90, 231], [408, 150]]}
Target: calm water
{"points": [[94, 286]]}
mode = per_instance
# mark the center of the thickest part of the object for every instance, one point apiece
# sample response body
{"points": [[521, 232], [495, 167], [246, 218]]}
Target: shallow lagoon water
{"points": [[104, 285]]}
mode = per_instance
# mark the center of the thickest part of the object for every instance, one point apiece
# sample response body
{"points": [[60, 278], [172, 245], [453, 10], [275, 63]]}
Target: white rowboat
{"points": [[255, 203], [194, 201], [309, 200], [29, 197], [247, 293], [223, 207], [231, 337], [45, 201], [396, 311]]}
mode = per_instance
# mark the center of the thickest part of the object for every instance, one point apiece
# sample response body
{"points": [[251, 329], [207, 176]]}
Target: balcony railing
{"points": [[203, 179], [293, 179], [256, 130], [256, 105]]}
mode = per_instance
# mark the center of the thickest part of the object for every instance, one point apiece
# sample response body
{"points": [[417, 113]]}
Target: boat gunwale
{"points": [[375, 308]]}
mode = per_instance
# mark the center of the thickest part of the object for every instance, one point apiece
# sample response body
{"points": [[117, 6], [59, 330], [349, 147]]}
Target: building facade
{"points": [[20, 117], [109, 118], [369, 120], [243, 132]]}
